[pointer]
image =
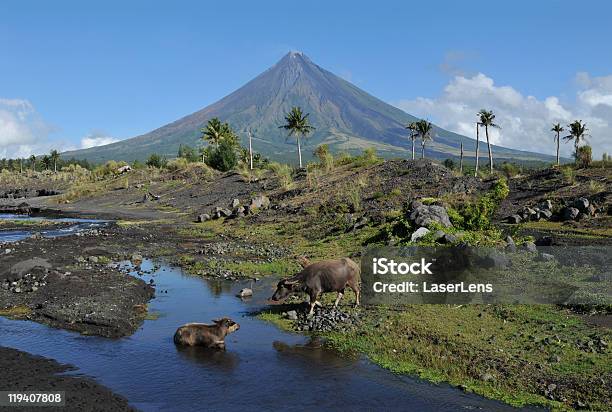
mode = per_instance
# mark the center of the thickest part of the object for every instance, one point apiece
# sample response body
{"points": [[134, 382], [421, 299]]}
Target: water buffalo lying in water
{"points": [[201, 334], [320, 277]]}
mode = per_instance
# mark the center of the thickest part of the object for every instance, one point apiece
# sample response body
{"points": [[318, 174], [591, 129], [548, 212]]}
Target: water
{"points": [[263, 368], [78, 225]]}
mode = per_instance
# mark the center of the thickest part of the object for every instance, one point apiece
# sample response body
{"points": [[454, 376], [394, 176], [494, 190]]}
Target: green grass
{"points": [[16, 312], [461, 345]]}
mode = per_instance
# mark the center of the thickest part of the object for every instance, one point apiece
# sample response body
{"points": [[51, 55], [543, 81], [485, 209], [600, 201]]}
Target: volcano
{"points": [[345, 117]]}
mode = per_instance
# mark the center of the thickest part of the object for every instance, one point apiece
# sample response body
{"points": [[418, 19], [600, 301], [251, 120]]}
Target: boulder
{"points": [[495, 259], [570, 213], [530, 247], [528, 213], [514, 219], [438, 235], [510, 245], [546, 257], [235, 203], [245, 292], [545, 214], [546, 205], [424, 215], [449, 238], [582, 204], [124, 169], [239, 211], [219, 212], [291, 315], [205, 217], [259, 202], [419, 233]]}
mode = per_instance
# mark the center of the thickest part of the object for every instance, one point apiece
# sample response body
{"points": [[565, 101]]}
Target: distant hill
{"points": [[346, 117]]}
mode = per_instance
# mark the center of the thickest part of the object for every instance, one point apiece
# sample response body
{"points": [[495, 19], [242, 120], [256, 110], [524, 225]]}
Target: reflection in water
{"points": [[214, 359], [314, 353]]}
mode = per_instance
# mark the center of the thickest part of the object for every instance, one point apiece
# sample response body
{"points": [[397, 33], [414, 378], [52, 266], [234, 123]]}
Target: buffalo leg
{"points": [[340, 294], [355, 287], [313, 303]]}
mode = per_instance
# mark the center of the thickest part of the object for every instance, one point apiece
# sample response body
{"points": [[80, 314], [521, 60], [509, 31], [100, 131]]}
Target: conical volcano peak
{"points": [[345, 117], [295, 57]]}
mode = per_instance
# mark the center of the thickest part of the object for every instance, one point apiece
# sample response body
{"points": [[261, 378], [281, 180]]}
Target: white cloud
{"points": [[23, 132], [525, 120], [96, 139]]}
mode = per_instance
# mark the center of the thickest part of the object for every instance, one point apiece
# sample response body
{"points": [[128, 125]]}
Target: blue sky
{"points": [[72, 70]]}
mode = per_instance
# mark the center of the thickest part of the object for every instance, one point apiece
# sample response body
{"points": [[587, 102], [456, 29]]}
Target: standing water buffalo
{"points": [[320, 277], [201, 334]]}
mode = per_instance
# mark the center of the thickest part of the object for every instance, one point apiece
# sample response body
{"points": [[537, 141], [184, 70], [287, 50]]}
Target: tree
{"points": [[46, 161], [557, 128], [424, 131], [297, 124], [461, 159], [449, 164], [156, 160], [578, 133], [584, 156], [33, 162], [477, 147], [223, 157], [250, 149], [54, 156], [215, 131], [487, 118], [413, 135]]}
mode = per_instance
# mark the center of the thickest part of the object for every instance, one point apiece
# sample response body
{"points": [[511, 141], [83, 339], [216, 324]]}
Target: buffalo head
{"points": [[227, 323], [283, 289]]}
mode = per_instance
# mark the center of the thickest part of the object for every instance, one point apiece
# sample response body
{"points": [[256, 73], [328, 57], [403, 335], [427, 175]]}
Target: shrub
{"points": [[584, 156], [449, 164], [177, 164], [477, 215], [108, 169], [283, 173], [509, 169], [156, 161], [223, 157]]}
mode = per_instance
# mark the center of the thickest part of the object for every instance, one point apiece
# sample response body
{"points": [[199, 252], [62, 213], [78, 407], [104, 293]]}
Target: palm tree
{"points": [[33, 162], [54, 156], [486, 119], [46, 161], [424, 130], [413, 134], [297, 124], [578, 133], [461, 160], [214, 131], [557, 128], [477, 147]]}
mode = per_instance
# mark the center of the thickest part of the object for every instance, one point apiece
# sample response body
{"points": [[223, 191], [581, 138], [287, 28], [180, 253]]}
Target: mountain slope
{"points": [[345, 117]]}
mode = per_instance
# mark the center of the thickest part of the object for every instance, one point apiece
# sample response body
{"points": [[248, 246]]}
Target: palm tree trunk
{"points": [[299, 150], [55, 166], [423, 150], [477, 143], [412, 149], [250, 150], [461, 160], [558, 160], [489, 147]]}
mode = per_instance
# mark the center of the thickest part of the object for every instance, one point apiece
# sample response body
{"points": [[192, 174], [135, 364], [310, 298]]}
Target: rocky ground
{"points": [[235, 226], [25, 372]]}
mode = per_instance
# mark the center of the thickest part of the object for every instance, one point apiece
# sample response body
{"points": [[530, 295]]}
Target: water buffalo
{"points": [[201, 334], [320, 277]]}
